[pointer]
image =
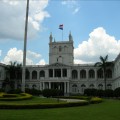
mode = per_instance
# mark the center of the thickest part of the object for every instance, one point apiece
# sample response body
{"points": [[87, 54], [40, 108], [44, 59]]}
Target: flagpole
{"points": [[24, 50], [62, 35]]}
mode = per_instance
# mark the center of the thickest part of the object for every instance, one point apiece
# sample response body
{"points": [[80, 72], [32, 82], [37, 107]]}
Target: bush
{"points": [[16, 91], [95, 100], [33, 91], [42, 105], [14, 97], [100, 93], [90, 92], [108, 93], [117, 92], [52, 92]]}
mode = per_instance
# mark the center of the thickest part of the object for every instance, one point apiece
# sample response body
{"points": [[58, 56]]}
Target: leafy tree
{"points": [[14, 73], [103, 64]]}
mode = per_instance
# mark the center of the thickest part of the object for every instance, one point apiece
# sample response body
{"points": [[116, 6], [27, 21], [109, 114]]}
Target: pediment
{"points": [[57, 65]]}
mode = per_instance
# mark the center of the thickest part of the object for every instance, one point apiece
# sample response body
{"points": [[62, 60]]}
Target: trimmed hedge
{"points": [[95, 100], [74, 97], [43, 105], [14, 97]]}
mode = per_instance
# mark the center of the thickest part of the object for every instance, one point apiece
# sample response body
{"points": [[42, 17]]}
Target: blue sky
{"points": [[94, 25]]}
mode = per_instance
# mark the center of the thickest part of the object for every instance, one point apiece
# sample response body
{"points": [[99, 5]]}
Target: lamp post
{"points": [[24, 49]]}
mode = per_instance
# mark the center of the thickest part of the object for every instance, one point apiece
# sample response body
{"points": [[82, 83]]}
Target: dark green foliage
{"points": [[108, 93], [16, 91], [90, 92], [43, 105], [117, 92], [100, 93], [33, 91], [52, 92]]}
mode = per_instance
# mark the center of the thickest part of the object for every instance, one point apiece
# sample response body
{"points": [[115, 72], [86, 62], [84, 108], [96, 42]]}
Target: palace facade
{"points": [[62, 73]]}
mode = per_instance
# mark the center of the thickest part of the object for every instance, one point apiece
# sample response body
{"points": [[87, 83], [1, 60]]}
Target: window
{"points": [[74, 74], [100, 73], [109, 73], [83, 88], [74, 88], [109, 86], [91, 86], [100, 86], [82, 74], [91, 74], [42, 73], [60, 48], [34, 75]]}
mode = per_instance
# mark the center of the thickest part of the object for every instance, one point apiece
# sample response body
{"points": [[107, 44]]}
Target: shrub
{"points": [[42, 105], [100, 93], [52, 92], [33, 91], [90, 92], [117, 92], [95, 100], [14, 97], [108, 93]]}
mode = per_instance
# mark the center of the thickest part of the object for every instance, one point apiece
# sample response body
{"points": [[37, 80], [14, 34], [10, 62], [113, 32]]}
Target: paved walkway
{"points": [[72, 100]]}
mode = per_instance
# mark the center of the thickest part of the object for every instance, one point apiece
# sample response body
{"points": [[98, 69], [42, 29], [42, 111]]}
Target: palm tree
{"points": [[103, 64], [14, 73]]}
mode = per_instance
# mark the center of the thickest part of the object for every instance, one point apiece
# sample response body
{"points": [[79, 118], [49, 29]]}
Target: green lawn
{"points": [[33, 100], [108, 110]]}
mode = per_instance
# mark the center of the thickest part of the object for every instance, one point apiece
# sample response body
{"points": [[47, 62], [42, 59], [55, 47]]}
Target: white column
{"points": [[30, 75], [37, 75], [40, 86], [61, 73], [43, 85], [49, 85], [95, 74], [53, 73], [78, 74], [64, 87], [68, 87], [87, 74]]}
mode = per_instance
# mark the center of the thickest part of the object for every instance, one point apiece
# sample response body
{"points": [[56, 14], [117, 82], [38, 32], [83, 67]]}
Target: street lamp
{"points": [[24, 49]]}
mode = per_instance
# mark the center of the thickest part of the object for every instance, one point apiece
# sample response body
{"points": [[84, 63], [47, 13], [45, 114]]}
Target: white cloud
{"points": [[41, 62], [99, 43], [17, 55], [12, 18], [71, 4]]}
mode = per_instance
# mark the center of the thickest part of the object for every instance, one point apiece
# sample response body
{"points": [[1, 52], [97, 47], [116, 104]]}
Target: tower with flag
{"points": [[61, 28]]}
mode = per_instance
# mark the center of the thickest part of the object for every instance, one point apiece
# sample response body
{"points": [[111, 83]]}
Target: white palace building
{"points": [[61, 71]]}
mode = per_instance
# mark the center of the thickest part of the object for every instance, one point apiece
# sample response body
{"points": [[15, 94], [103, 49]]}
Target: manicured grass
{"points": [[107, 110], [33, 100]]}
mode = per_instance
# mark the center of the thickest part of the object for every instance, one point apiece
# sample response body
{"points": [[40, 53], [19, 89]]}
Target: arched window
{"points": [[83, 88], [109, 73], [27, 75], [26, 86], [91, 86], [82, 74], [34, 86], [65, 48], [74, 88], [34, 75], [91, 73], [60, 48], [74, 74], [64, 72], [100, 86], [100, 73], [109, 86], [42, 73]]}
